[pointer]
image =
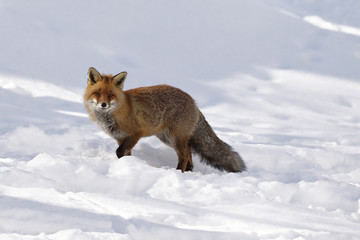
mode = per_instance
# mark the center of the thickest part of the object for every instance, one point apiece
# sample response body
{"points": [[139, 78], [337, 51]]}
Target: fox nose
{"points": [[103, 105]]}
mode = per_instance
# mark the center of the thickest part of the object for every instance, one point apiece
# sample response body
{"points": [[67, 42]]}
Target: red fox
{"points": [[164, 111]]}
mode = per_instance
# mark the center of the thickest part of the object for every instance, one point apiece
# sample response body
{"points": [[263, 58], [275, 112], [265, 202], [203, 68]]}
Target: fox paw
{"points": [[188, 168]]}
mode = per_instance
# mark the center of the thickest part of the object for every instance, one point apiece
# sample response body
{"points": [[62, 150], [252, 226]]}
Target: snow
{"points": [[274, 83], [321, 23]]}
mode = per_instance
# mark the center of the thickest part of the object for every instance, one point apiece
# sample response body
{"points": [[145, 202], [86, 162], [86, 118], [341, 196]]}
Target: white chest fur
{"points": [[107, 122]]}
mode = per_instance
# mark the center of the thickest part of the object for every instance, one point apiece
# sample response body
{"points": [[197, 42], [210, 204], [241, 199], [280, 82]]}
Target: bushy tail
{"points": [[214, 151]]}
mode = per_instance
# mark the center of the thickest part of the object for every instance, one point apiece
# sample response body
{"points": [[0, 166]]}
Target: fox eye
{"points": [[111, 95], [97, 94]]}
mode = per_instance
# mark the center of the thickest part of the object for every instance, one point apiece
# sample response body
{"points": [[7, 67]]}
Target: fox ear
{"points": [[119, 79], [93, 76]]}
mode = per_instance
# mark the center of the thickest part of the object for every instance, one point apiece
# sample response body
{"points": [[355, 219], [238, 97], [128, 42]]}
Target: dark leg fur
{"points": [[187, 169], [183, 151], [120, 151], [125, 147]]}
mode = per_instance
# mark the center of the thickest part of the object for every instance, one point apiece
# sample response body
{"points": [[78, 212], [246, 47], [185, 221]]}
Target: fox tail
{"points": [[213, 150]]}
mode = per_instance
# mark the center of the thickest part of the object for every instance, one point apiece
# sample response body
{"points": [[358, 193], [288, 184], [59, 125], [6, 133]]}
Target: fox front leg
{"points": [[126, 145], [120, 153]]}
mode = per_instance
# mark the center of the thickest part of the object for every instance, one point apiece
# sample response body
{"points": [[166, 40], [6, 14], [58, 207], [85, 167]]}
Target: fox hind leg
{"points": [[182, 148], [183, 151], [189, 165]]}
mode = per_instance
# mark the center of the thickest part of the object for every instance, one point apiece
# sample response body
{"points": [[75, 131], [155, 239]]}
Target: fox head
{"points": [[104, 92]]}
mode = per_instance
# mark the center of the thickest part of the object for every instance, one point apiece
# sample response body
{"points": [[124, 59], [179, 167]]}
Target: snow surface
{"points": [[274, 83]]}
